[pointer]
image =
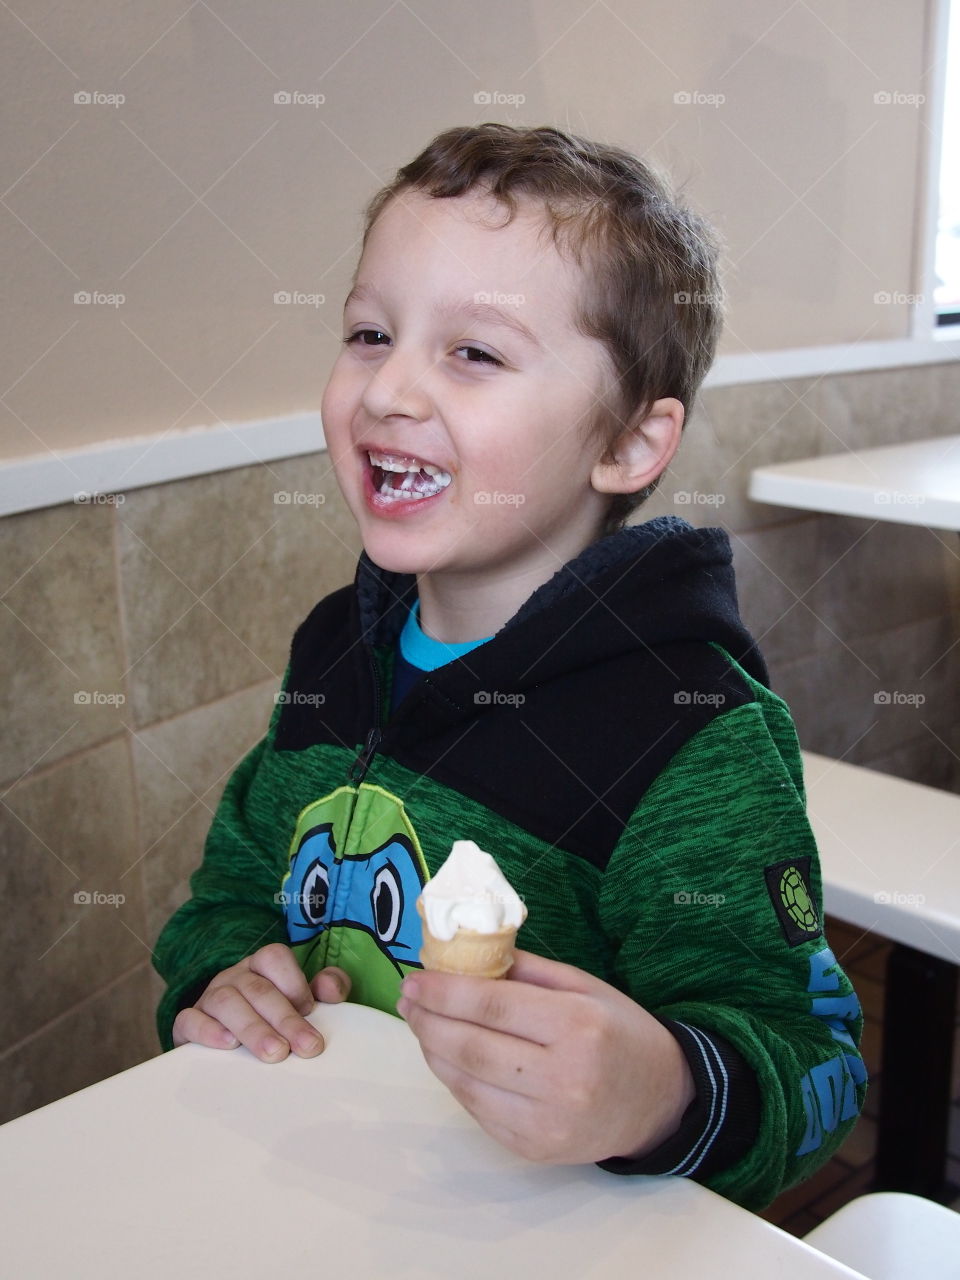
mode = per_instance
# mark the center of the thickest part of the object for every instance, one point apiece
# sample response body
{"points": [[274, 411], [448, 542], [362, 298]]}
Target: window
{"points": [[946, 293]]}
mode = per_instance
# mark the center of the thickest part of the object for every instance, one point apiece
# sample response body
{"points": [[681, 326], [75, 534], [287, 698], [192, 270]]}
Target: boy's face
{"points": [[417, 384]]}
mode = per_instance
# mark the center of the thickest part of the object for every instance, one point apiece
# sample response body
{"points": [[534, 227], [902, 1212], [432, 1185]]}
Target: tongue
{"points": [[406, 481]]}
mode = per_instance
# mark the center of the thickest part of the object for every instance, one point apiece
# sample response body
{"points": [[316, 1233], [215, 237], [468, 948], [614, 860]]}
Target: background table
{"points": [[889, 853], [358, 1162], [914, 483]]}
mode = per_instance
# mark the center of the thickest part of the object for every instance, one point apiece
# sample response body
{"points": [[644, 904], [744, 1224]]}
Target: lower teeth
{"points": [[404, 495]]}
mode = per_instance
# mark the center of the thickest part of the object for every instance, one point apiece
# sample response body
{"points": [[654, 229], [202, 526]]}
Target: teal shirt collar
{"points": [[425, 653]]}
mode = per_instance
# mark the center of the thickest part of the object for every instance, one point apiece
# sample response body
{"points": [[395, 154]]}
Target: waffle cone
{"points": [[482, 955]]}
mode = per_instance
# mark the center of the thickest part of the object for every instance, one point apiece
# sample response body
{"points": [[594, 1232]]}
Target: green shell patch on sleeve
{"points": [[788, 884]]}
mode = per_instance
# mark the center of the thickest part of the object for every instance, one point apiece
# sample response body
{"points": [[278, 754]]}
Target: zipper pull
{"points": [[358, 770]]}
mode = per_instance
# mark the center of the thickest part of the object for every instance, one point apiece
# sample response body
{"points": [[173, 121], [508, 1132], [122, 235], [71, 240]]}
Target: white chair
{"points": [[889, 1235]]}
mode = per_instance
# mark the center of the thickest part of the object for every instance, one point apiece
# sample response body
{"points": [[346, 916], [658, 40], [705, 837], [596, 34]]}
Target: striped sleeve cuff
{"points": [[720, 1125]]}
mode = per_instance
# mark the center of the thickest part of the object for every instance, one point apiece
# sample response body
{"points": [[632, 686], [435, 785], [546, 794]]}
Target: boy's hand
{"points": [[262, 1002], [555, 1064]]}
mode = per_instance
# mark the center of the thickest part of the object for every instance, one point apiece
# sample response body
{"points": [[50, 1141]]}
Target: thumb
{"points": [[541, 972], [330, 985]]}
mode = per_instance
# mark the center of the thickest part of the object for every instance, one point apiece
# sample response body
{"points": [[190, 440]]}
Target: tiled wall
{"points": [[183, 599]]}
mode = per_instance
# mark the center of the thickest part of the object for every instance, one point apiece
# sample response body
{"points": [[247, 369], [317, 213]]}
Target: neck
{"points": [[471, 605]]}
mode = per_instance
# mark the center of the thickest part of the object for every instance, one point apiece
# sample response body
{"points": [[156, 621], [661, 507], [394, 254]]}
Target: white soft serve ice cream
{"points": [[470, 892]]}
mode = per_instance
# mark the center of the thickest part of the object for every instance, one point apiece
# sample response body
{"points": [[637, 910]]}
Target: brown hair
{"points": [[652, 295]]}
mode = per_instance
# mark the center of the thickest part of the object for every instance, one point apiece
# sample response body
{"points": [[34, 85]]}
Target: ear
{"points": [[642, 451]]}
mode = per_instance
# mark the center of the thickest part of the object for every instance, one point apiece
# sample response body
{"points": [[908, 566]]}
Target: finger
{"points": [[193, 1026], [331, 985], [516, 1008], [279, 965], [541, 972], [262, 1018], [505, 1062], [510, 1118]]}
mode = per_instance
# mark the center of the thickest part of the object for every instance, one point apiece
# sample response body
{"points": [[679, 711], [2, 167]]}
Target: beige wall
{"points": [[198, 198]]}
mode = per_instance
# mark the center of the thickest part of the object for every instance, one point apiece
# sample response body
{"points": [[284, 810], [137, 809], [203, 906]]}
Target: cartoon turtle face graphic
{"points": [[349, 896], [796, 900]]}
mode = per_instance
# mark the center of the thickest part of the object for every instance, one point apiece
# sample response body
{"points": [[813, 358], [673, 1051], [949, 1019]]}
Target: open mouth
{"points": [[399, 478]]}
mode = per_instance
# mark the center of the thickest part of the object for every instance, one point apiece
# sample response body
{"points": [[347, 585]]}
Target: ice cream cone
{"points": [[483, 955]]}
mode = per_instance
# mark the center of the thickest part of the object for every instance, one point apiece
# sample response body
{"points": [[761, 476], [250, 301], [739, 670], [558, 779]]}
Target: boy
{"points": [[530, 319]]}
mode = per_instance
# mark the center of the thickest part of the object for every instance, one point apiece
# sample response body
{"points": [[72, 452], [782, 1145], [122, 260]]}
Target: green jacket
{"points": [[616, 747]]}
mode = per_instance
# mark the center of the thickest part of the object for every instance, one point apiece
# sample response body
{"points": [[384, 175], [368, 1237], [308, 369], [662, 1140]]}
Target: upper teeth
{"points": [[388, 462]]}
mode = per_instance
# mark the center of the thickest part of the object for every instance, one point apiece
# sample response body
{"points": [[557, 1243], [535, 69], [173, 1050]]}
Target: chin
{"points": [[391, 556]]}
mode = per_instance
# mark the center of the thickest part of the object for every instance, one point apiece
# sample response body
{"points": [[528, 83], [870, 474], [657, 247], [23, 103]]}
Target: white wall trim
{"points": [[816, 362], [115, 466]]}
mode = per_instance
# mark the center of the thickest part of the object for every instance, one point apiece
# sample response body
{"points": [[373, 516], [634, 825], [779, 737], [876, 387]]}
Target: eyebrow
{"points": [[485, 312]]}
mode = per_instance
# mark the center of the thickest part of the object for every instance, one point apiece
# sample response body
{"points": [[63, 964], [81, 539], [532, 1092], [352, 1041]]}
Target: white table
{"points": [[889, 853], [357, 1163], [889, 850], [914, 483]]}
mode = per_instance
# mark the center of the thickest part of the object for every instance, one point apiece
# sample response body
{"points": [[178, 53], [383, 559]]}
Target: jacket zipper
{"points": [[358, 770]]}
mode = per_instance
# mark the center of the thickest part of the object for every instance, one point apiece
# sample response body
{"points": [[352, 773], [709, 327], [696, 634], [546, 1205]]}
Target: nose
{"points": [[398, 387]]}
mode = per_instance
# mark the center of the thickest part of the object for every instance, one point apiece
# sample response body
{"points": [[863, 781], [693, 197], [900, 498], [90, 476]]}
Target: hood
{"points": [[646, 586]]}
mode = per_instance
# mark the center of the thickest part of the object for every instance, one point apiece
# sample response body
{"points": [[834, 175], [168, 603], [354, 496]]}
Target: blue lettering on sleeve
{"points": [[828, 1090]]}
